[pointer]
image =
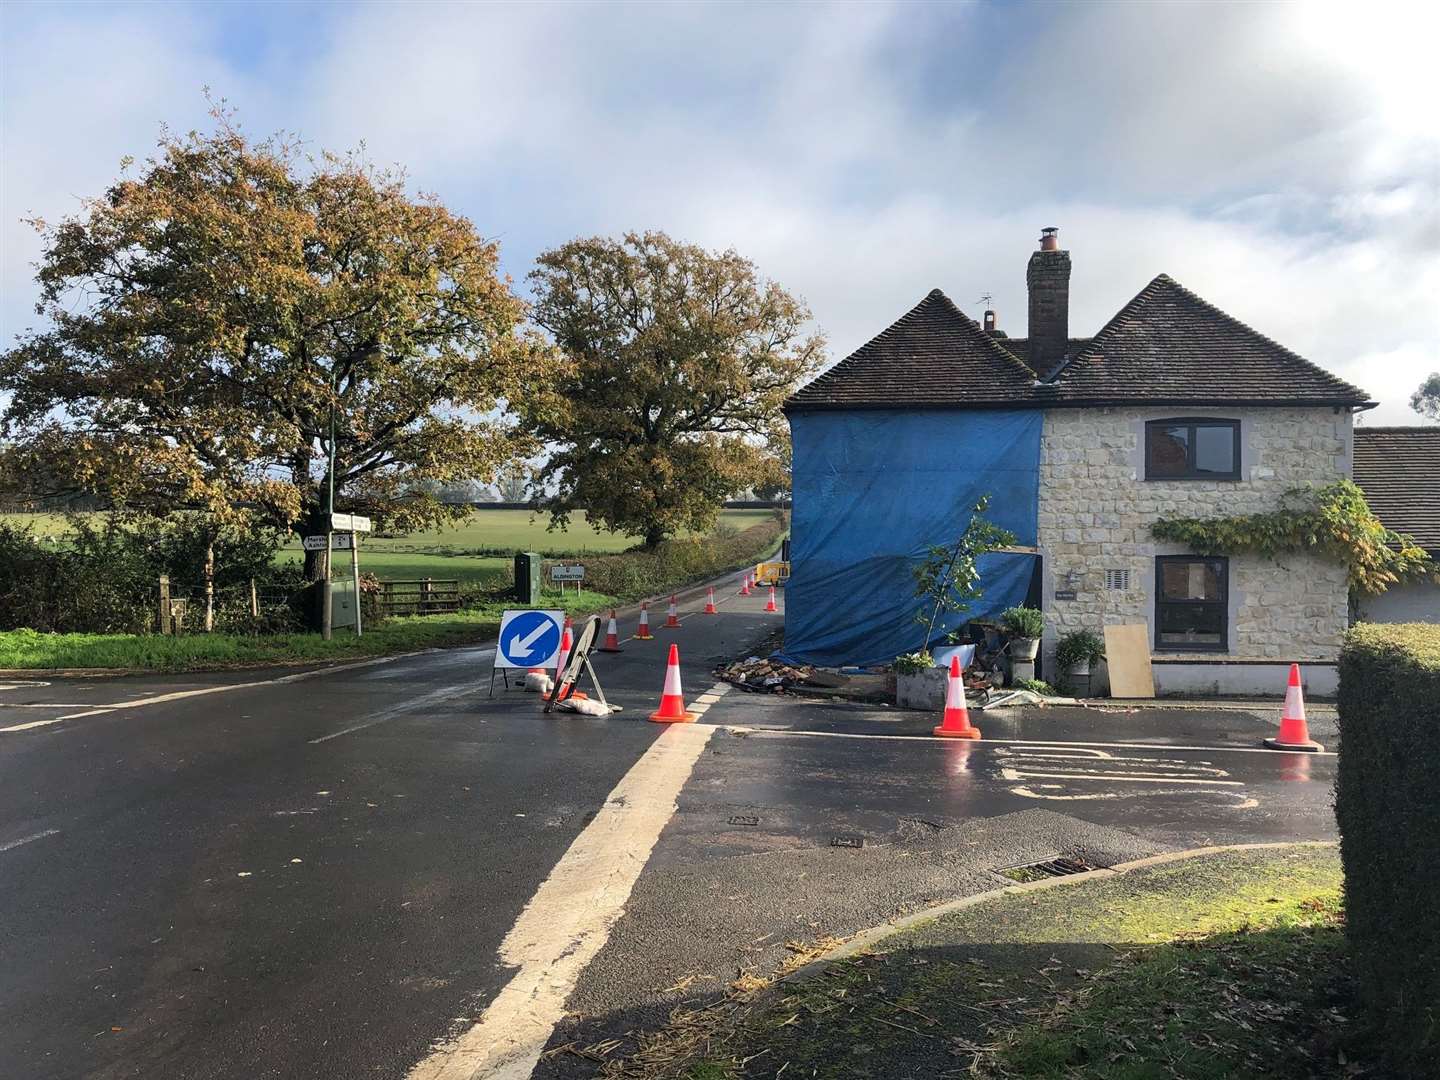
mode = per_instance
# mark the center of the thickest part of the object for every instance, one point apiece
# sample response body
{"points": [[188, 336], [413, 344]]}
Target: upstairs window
{"points": [[1192, 449]]}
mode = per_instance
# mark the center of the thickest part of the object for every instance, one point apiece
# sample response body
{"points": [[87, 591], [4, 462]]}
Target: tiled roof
{"points": [[1398, 468], [1169, 346], [1020, 346], [933, 356], [1165, 347]]}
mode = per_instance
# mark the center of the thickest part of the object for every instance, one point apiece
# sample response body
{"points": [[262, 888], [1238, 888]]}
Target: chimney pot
{"points": [[1050, 238]]}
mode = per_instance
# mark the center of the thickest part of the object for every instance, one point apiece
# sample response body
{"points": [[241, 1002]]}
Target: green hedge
{"points": [[1387, 802], [673, 563]]}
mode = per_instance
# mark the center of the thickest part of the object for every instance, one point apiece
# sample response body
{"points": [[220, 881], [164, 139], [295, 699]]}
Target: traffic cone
{"points": [[672, 700], [612, 636], [643, 633], [745, 589], [1294, 733], [956, 722], [672, 620], [564, 655], [710, 602], [770, 604]]}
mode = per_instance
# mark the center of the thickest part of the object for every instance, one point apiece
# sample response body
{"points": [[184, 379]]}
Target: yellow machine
{"points": [[772, 573]]}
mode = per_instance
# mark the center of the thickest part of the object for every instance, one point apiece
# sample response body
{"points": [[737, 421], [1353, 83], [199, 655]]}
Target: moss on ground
{"points": [[1230, 965]]}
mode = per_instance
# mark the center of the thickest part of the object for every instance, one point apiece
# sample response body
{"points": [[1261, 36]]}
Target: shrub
{"points": [[1035, 686], [913, 663], [1023, 622], [1389, 819], [1079, 647], [673, 563]]}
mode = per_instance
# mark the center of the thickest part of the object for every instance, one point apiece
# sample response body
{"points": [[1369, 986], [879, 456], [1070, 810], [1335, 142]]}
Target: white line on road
{"points": [[424, 701], [570, 916], [28, 839], [179, 695], [782, 733]]}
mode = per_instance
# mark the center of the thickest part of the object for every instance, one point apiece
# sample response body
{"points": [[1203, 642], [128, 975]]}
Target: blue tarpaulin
{"points": [[873, 490]]}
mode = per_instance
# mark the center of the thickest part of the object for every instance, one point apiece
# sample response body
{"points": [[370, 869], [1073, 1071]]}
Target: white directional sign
{"points": [[314, 543], [529, 639], [339, 541], [349, 523]]}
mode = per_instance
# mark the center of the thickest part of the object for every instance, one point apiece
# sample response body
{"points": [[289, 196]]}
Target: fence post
{"points": [[425, 598], [165, 604], [254, 600]]}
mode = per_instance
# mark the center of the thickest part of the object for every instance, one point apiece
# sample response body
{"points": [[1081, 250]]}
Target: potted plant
{"points": [[919, 684], [1025, 625], [1078, 652]]}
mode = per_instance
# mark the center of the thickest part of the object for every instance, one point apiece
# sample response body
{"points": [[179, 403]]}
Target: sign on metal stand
{"points": [[527, 639], [579, 660], [560, 574]]}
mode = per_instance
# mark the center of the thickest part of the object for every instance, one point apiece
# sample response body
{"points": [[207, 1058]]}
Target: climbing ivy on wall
{"points": [[1333, 521]]}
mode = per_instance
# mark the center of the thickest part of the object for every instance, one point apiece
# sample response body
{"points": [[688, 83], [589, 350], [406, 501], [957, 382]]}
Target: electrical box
{"points": [[527, 578]]}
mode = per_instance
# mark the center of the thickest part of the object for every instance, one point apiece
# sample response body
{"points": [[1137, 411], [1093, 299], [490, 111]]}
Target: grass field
{"points": [[479, 549], [26, 649]]}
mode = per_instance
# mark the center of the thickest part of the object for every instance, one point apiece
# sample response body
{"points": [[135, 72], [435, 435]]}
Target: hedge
{"points": [[1387, 803], [638, 573]]}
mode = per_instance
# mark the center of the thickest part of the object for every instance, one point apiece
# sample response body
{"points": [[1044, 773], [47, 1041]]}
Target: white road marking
{"points": [[28, 839], [570, 916], [44, 705], [1081, 767], [701, 705], [178, 695], [783, 733], [424, 701]]}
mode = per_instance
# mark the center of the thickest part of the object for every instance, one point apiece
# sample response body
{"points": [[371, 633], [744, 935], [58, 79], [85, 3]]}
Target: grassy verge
{"points": [[1224, 966], [192, 652]]}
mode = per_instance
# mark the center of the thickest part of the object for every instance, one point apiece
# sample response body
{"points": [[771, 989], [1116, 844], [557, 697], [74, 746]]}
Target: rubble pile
{"points": [[765, 675]]}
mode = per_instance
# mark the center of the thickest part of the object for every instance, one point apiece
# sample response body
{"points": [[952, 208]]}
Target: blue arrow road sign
{"points": [[529, 639]]}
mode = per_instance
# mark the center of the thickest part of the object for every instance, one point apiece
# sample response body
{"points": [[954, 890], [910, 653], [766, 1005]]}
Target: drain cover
{"points": [[1048, 868], [744, 819], [847, 840]]}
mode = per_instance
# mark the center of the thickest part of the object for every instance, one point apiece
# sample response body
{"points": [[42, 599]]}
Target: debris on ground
{"points": [[772, 676]]}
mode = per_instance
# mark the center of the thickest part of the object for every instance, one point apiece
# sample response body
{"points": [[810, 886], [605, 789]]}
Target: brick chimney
{"points": [[1047, 279], [990, 326]]}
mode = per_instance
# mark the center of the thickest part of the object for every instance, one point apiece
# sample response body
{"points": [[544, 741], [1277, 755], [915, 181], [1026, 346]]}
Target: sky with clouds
{"points": [[1282, 160]]}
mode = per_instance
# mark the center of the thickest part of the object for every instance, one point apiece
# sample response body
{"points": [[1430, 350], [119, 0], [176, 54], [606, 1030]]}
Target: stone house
{"points": [[1173, 408], [1398, 468]]}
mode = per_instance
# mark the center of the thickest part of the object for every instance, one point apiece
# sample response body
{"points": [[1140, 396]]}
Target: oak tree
{"points": [[213, 319], [677, 362]]}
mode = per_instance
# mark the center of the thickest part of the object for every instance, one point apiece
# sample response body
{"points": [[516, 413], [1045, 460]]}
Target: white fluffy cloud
{"points": [[859, 153]]}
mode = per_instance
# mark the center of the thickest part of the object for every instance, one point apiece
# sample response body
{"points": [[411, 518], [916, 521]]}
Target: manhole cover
{"points": [[1049, 868], [847, 840], [744, 819]]}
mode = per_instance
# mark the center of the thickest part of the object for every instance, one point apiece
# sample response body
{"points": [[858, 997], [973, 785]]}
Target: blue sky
{"points": [[1281, 160]]}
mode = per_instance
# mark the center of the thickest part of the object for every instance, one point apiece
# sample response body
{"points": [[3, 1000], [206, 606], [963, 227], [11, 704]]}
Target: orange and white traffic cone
{"points": [[1294, 732], [643, 633], [672, 620], [770, 604], [612, 636], [956, 722], [745, 589], [710, 602], [564, 655], [672, 699]]}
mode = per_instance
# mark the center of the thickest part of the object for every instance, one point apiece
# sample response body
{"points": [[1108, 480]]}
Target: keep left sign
{"points": [[529, 639]]}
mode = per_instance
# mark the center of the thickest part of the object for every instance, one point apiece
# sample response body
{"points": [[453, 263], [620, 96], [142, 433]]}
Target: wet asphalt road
{"points": [[240, 885]]}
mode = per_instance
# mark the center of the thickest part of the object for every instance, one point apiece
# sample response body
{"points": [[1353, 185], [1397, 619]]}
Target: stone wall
{"points": [[1096, 509]]}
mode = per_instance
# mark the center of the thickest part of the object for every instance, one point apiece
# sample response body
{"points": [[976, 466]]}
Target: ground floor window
{"points": [[1191, 598]]}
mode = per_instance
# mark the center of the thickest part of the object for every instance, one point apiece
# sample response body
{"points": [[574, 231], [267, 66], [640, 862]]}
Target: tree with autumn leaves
{"points": [[676, 363], [228, 318], [215, 318]]}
